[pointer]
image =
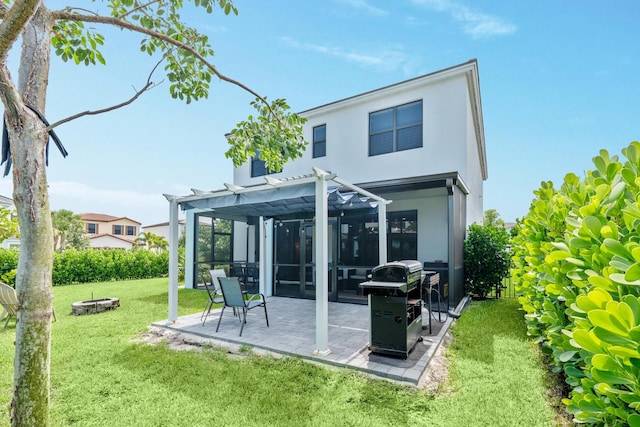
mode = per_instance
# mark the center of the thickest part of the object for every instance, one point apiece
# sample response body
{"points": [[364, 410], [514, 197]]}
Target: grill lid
{"points": [[396, 271]]}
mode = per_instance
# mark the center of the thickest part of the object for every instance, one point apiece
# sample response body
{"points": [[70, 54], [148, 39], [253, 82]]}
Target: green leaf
{"points": [[608, 321], [566, 356], [587, 340], [616, 248], [620, 278], [604, 362], [609, 377]]}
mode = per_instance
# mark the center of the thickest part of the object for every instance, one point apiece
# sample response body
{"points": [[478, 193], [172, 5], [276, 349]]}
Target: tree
{"points": [[492, 217], [153, 241], [68, 231], [486, 261], [273, 132]]}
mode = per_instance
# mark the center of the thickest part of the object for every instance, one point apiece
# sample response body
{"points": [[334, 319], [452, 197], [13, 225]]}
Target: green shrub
{"points": [[90, 265], [486, 261], [577, 265]]}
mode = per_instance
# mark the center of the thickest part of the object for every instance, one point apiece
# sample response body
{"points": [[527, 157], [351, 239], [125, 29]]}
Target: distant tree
{"points": [[8, 224], [153, 241], [68, 231], [492, 217]]}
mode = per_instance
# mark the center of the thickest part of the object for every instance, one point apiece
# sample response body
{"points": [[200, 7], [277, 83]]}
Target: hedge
{"points": [[577, 265], [82, 266]]}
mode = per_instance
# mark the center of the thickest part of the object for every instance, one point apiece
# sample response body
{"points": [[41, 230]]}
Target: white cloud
{"points": [[476, 24], [363, 5], [387, 59]]}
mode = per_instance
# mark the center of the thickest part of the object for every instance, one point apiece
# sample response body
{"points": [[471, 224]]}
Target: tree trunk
{"points": [[28, 137]]}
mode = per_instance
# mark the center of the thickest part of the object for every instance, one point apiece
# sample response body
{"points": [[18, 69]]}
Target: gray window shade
{"points": [[395, 129], [381, 143], [410, 137]]}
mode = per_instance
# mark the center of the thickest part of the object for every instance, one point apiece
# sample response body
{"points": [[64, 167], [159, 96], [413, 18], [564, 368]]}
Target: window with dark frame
{"points": [[395, 129], [131, 230], [117, 230], [320, 141], [258, 167], [92, 228]]}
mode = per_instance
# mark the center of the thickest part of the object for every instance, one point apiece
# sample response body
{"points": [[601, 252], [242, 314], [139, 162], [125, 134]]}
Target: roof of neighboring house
{"points": [[103, 218], [164, 224], [101, 235], [5, 201]]}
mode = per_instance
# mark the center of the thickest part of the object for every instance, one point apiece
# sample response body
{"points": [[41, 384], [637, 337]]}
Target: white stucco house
{"points": [[391, 174]]}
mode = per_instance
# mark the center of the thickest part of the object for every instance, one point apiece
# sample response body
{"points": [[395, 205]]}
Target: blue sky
{"points": [[559, 81]]}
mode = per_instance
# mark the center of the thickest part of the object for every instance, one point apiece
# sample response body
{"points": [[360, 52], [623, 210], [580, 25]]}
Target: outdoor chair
{"points": [[213, 290], [9, 302], [235, 298]]}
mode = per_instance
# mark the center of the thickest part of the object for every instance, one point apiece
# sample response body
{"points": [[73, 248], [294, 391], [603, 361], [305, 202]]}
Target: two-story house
{"points": [[110, 232], [409, 161]]}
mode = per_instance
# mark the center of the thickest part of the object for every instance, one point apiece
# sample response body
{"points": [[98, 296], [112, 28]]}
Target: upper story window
{"points": [[258, 167], [118, 230], [131, 230], [320, 141], [395, 129], [92, 228]]}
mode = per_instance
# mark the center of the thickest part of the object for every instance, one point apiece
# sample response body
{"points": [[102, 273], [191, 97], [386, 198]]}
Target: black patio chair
{"points": [[234, 297]]}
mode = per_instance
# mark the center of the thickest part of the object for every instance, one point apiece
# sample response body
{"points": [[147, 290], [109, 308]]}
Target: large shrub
{"points": [[577, 264], [486, 261], [82, 266]]}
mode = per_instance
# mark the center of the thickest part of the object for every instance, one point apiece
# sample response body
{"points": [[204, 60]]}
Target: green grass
{"points": [[101, 377]]}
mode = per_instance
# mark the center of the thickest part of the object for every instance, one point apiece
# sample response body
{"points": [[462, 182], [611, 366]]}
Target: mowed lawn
{"points": [[101, 376]]}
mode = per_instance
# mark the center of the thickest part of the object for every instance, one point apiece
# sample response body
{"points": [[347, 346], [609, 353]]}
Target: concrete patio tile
{"points": [[292, 332]]}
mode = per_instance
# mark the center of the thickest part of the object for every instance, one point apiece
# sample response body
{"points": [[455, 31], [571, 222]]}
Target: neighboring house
{"points": [[418, 144], [11, 242], [162, 229], [110, 232]]}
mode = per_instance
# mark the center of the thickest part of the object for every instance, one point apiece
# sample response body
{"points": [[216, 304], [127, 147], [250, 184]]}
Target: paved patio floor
{"points": [[291, 332]]}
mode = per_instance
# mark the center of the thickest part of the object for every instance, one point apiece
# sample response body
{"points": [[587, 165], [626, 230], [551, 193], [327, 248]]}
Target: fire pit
{"points": [[95, 306]]}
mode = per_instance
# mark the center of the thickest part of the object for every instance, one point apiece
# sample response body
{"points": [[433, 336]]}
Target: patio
{"points": [[292, 332]]}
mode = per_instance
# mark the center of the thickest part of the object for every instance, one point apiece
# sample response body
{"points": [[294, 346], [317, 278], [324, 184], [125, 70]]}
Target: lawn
{"points": [[101, 377]]}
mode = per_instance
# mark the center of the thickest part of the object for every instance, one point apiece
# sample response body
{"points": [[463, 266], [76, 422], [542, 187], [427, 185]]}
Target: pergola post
{"points": [[322, 265], [382, 233], [173, 259]]}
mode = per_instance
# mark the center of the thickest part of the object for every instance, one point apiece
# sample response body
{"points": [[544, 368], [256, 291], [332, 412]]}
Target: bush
{"points": [[486, 261], [83, 266], [577, 264]]}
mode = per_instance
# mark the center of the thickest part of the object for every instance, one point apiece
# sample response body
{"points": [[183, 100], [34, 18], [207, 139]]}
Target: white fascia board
{"points": [[407, 85]]}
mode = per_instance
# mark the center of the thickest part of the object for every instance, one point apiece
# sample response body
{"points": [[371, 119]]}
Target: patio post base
{"points": [[322, 352]]}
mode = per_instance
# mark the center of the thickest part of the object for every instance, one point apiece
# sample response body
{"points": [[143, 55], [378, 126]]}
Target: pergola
{"points": [[276, 198]]}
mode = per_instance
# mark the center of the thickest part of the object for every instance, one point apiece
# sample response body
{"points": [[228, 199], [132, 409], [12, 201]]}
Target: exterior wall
{"points": [[444, 136], [163, 229], [473, 179], [432, 220], [106, 227]]}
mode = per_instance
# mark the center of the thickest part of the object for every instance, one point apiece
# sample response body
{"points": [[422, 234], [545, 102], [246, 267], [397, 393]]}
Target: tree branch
{"points": [[107, 20], [142, 6], [13, 21], [147, 86]]}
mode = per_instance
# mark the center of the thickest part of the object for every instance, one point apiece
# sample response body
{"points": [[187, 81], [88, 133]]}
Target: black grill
{"points": [[395, 306]]}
